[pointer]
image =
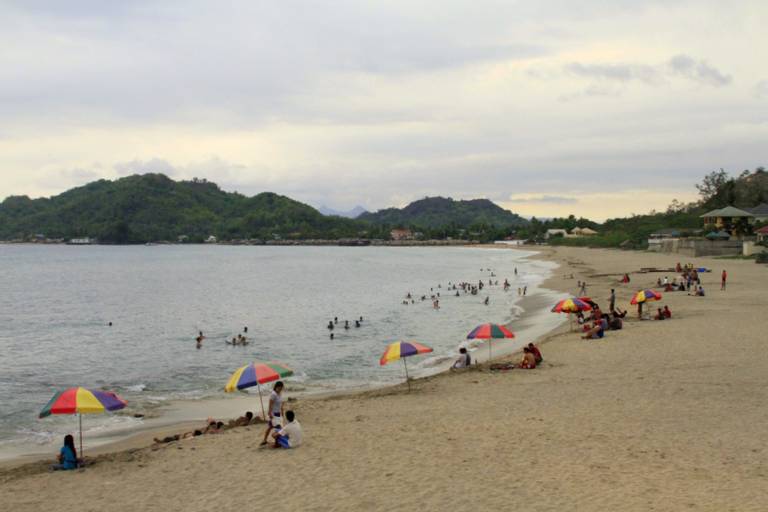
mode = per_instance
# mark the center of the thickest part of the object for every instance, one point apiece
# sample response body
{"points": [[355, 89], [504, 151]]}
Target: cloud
{"points": [[541, 199], [698, 70], [618, 72], [153, 165]]}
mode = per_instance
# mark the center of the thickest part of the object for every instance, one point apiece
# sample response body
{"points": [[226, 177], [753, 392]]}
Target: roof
{"points": [[587, 231], [761, 209], [728, 211], [763, 230]]}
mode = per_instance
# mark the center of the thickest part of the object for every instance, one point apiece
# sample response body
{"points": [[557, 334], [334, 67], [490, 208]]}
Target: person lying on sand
{"points": [[177, 437], [242, 421], [615, 323], [659, 315], [619, 313]]}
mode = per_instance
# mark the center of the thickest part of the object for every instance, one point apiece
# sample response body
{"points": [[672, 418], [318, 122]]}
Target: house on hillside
{"points": [[211, 240], [760, 212], [401, 234], [762, 234], [584, 232], [725, 218]]}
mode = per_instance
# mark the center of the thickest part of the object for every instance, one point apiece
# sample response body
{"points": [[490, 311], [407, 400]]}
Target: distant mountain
{"points": [[437, 212], [349, 214], [150, 207]]}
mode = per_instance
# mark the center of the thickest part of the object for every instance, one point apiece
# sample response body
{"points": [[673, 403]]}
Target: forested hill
{"points": [[151, 207], [441, 212]]}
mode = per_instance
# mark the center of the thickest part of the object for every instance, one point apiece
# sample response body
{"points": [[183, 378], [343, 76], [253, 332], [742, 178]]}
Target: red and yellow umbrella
{"points": [[401, 350], [572, 305], [82, 401], [255, 374], [645, 296], [490, 332]]}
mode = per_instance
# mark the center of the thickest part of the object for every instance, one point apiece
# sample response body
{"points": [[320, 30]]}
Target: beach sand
{"points": [[658, 416]]}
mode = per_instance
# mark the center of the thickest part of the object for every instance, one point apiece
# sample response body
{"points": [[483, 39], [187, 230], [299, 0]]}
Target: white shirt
{"points": [[277, 402], [293, 432]]}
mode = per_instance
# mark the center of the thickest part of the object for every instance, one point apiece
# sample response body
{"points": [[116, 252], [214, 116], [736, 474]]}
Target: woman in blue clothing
{"points": [[68, 454]]}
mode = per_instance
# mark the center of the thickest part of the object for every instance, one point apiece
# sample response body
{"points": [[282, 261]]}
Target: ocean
{"points": [[56, 303]]}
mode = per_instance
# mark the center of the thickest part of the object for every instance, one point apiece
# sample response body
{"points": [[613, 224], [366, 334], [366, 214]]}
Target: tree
{"points": [[712, 183]]}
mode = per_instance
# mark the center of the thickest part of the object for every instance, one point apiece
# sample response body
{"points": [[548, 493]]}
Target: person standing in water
{"points": [[199, 339]]}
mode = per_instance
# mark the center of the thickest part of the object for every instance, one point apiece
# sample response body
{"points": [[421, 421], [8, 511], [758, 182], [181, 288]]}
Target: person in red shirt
{"points": [[536, 352], [667, 312], [723, 279]]}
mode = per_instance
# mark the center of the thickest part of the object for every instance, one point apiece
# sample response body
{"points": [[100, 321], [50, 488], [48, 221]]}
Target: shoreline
{"points": [[174, 416], [658, 416]]}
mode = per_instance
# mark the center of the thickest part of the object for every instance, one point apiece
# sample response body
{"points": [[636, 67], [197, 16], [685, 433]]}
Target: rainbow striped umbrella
{"points": [[401, 350], [255, 374], [82, 401], [645, 296], [572, 305], [490, 332]]}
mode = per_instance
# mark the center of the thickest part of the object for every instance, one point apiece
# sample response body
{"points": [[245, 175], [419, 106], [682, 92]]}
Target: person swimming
{"points": [[346, 324], [357, 323], [330, 325]]}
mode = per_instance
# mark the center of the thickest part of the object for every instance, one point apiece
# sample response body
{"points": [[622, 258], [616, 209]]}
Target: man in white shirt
{"points": [[290, 435]]}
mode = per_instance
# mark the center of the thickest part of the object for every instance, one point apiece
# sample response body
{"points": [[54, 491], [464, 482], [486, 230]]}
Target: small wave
{"points": [[136, 388]]}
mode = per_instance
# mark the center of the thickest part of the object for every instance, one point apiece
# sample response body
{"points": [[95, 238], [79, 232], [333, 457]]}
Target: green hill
{"points": [[152, 207], [436, 213]]}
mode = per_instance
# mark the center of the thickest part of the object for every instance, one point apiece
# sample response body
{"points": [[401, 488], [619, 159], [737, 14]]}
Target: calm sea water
{"points": [[56, 302]]}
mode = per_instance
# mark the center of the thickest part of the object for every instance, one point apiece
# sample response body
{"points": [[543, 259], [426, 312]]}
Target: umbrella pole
{"points": [[261, 403], [407, 379], [80, 417], [490, 355]]}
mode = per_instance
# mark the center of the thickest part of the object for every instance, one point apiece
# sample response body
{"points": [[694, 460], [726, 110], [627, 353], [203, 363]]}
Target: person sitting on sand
{"points": [[667, 312], [536, 353], [68, 455], [659, 315], [595, 332], [290, 436], [275, 409], [214, 427], [528, 362], [464, 360], [615, 323]]}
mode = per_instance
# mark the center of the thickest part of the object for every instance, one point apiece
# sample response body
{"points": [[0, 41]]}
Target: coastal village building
{"points": [[575, 233], [762, 234], [401, 234], [723, 218]]}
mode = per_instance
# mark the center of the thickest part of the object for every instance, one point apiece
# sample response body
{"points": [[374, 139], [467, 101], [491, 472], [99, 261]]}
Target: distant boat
{"points": [[81, 241]]}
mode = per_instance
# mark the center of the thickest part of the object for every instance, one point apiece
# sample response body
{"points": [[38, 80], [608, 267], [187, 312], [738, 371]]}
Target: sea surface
{"points": [[56, 303]]}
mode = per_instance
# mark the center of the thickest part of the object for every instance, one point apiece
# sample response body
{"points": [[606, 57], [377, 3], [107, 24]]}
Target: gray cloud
{"points": [[544, 199], [698, 70], [619, 72]]}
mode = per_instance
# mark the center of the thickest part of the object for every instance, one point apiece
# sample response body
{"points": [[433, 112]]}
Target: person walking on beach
{"points": [[275, 410], [612, 300], [583, 290], [723, 278]]}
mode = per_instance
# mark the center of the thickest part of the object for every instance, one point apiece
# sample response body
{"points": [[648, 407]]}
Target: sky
{"points": [[600, 108]]}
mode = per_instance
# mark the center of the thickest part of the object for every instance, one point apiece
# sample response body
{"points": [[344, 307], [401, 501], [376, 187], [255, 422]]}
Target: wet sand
{"points": [[658, 416]]}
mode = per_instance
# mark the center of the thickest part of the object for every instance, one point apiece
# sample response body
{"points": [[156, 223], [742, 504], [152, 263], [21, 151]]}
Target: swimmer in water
{"points": [[361, 319], [330, 325], [110, 324], [346, 324], [357, 323], [487, 300], [331, 335], [335, 320], [245, 329]]}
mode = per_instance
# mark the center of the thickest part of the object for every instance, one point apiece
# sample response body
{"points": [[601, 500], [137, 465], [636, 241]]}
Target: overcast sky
{"points": [[599, 108]]}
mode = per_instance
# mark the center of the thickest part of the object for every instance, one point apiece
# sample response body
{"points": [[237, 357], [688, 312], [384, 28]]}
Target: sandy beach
{"points": [[659, 416]]}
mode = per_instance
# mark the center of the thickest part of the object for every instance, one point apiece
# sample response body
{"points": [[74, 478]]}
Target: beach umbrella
{"points": [[490, 332], [401, 350], [645, 296], [82, 401], [255, 374], [573, 305]]}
